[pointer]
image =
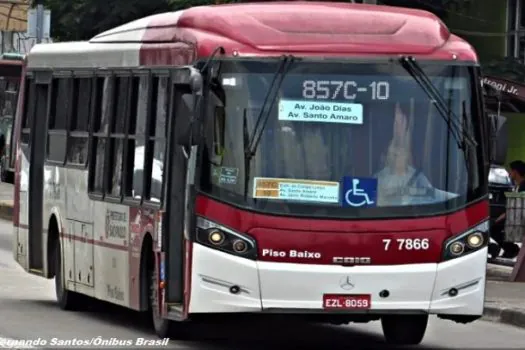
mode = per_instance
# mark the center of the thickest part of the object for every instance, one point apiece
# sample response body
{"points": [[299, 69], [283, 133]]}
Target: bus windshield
{"points": [[346, 140]]}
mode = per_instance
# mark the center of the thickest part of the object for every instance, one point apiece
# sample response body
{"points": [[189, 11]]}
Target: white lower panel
{"points": [[301, 286], [288, 287], [466, 274], [213, 273]]}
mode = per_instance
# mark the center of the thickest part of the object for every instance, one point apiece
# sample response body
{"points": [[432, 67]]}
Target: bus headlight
{"points": [[475, 240], [468, 242], [216, 236]]}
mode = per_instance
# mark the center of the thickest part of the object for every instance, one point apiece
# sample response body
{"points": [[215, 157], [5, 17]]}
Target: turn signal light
{"points": [[240, 246], [457, 248]]}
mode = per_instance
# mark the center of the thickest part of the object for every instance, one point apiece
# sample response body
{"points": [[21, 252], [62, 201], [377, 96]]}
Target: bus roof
{"points": [[272, 28]]}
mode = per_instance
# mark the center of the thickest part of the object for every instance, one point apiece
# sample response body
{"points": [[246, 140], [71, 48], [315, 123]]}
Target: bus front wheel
{"points": [[404, 329], [162, 326]]}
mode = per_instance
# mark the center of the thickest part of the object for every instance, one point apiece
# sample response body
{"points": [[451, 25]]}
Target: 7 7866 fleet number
{"points": [[406, 244]]}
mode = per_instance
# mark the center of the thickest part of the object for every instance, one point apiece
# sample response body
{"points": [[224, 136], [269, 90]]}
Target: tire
{"points": [[163, 327], [404, 329], [67, 300]]}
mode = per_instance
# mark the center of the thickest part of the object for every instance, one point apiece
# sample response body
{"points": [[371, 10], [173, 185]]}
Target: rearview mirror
{"points": [[195, 81]]}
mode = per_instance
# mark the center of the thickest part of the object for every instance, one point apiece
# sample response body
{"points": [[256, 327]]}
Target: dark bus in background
{"points": [[10, 73]]}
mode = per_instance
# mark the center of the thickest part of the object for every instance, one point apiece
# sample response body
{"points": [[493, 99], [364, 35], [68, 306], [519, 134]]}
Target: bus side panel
{"points": [[54, 202], [142, 222], [78, 243], [111, 252]]}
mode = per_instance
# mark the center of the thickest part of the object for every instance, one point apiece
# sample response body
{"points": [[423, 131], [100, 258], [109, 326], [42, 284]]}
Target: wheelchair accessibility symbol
{"points": [[359, 192]]}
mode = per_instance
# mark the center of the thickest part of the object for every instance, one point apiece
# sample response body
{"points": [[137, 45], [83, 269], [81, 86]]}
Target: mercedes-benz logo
{"points": [[346, 283]]}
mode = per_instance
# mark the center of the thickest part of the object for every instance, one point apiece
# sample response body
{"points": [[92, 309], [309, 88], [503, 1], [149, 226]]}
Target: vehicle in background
{"points": [[10, 74], [499, 183], [243, 159], [499, 178]]}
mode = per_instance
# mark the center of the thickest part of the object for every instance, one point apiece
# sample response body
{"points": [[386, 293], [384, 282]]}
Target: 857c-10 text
{"points": [[406, 244]]}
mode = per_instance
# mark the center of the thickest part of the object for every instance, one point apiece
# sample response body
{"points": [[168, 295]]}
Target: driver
{"points": [[399, 182]]}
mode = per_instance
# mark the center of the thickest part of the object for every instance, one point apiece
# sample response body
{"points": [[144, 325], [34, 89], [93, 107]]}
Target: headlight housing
{"points": [[468, 242], [216, 236]]}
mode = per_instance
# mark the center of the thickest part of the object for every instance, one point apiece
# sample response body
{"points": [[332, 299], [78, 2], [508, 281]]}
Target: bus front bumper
{"points": [[223, 283]]}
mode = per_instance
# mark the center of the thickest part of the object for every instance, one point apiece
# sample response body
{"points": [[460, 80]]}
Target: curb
{"points": [[498, 272], [6, 211], [513, 317]]}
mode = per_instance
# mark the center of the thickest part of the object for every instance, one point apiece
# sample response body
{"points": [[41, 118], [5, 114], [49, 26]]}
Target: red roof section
{"points": [[318, 28]]}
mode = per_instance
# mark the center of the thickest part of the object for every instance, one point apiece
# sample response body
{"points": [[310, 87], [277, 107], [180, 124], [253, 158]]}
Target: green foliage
{"points": [[440, 8], [83, 19], [509, 68]]}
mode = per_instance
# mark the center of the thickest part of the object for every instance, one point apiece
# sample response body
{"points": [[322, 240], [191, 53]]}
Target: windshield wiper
{"points": [[415, 70], [269, 101], [250, 145]]}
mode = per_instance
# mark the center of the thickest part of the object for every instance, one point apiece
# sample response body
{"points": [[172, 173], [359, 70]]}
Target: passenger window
{"points": [[157, 138], [120, 103], [80, 121], [29, 110], [101, 114], [60, 109], [137, 134], [60, 103], [79, 136]]}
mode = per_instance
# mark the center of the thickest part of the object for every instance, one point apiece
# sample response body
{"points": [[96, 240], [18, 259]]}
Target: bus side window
{"points": [[136, 138], [79, 123], [157, 140], [117, 134], [61, 94], [29, 110], [103, 90]]}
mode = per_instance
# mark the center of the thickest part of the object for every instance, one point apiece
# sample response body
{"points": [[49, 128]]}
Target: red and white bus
{"points": [[10, 74], [326, 160]]}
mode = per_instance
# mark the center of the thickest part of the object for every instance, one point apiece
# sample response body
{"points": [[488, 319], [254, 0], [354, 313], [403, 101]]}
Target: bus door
{"points": [[36, 170], [177, 179]]}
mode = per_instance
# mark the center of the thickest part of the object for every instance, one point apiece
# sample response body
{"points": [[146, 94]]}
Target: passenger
{"points": [[398, 176]]}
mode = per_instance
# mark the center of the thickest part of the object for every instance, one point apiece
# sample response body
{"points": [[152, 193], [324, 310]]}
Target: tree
{"points": [[83, 19], [438, 7], [509, 68]]}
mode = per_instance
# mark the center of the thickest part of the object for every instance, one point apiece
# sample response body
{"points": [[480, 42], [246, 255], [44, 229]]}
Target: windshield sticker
{"points": [[228, 176], [320, 112], [224, 175], [359, 192], [296, 190]]}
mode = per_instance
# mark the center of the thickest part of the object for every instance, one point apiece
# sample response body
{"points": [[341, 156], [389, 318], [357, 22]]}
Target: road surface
{"points": [[28, 311]]}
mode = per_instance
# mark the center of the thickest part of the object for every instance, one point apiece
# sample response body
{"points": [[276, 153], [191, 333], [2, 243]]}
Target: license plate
{"points": [[346, 301]]}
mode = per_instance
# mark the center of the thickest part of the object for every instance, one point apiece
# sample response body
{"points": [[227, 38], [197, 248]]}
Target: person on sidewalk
{"points": [[510, 249]]}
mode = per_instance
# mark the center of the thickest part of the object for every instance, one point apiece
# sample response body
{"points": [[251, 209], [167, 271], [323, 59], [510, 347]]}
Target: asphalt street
{"points": [[28, 311]]}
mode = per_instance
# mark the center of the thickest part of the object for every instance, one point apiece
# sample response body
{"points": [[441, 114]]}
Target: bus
{"points": [[307, 159], [10, 75]]}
